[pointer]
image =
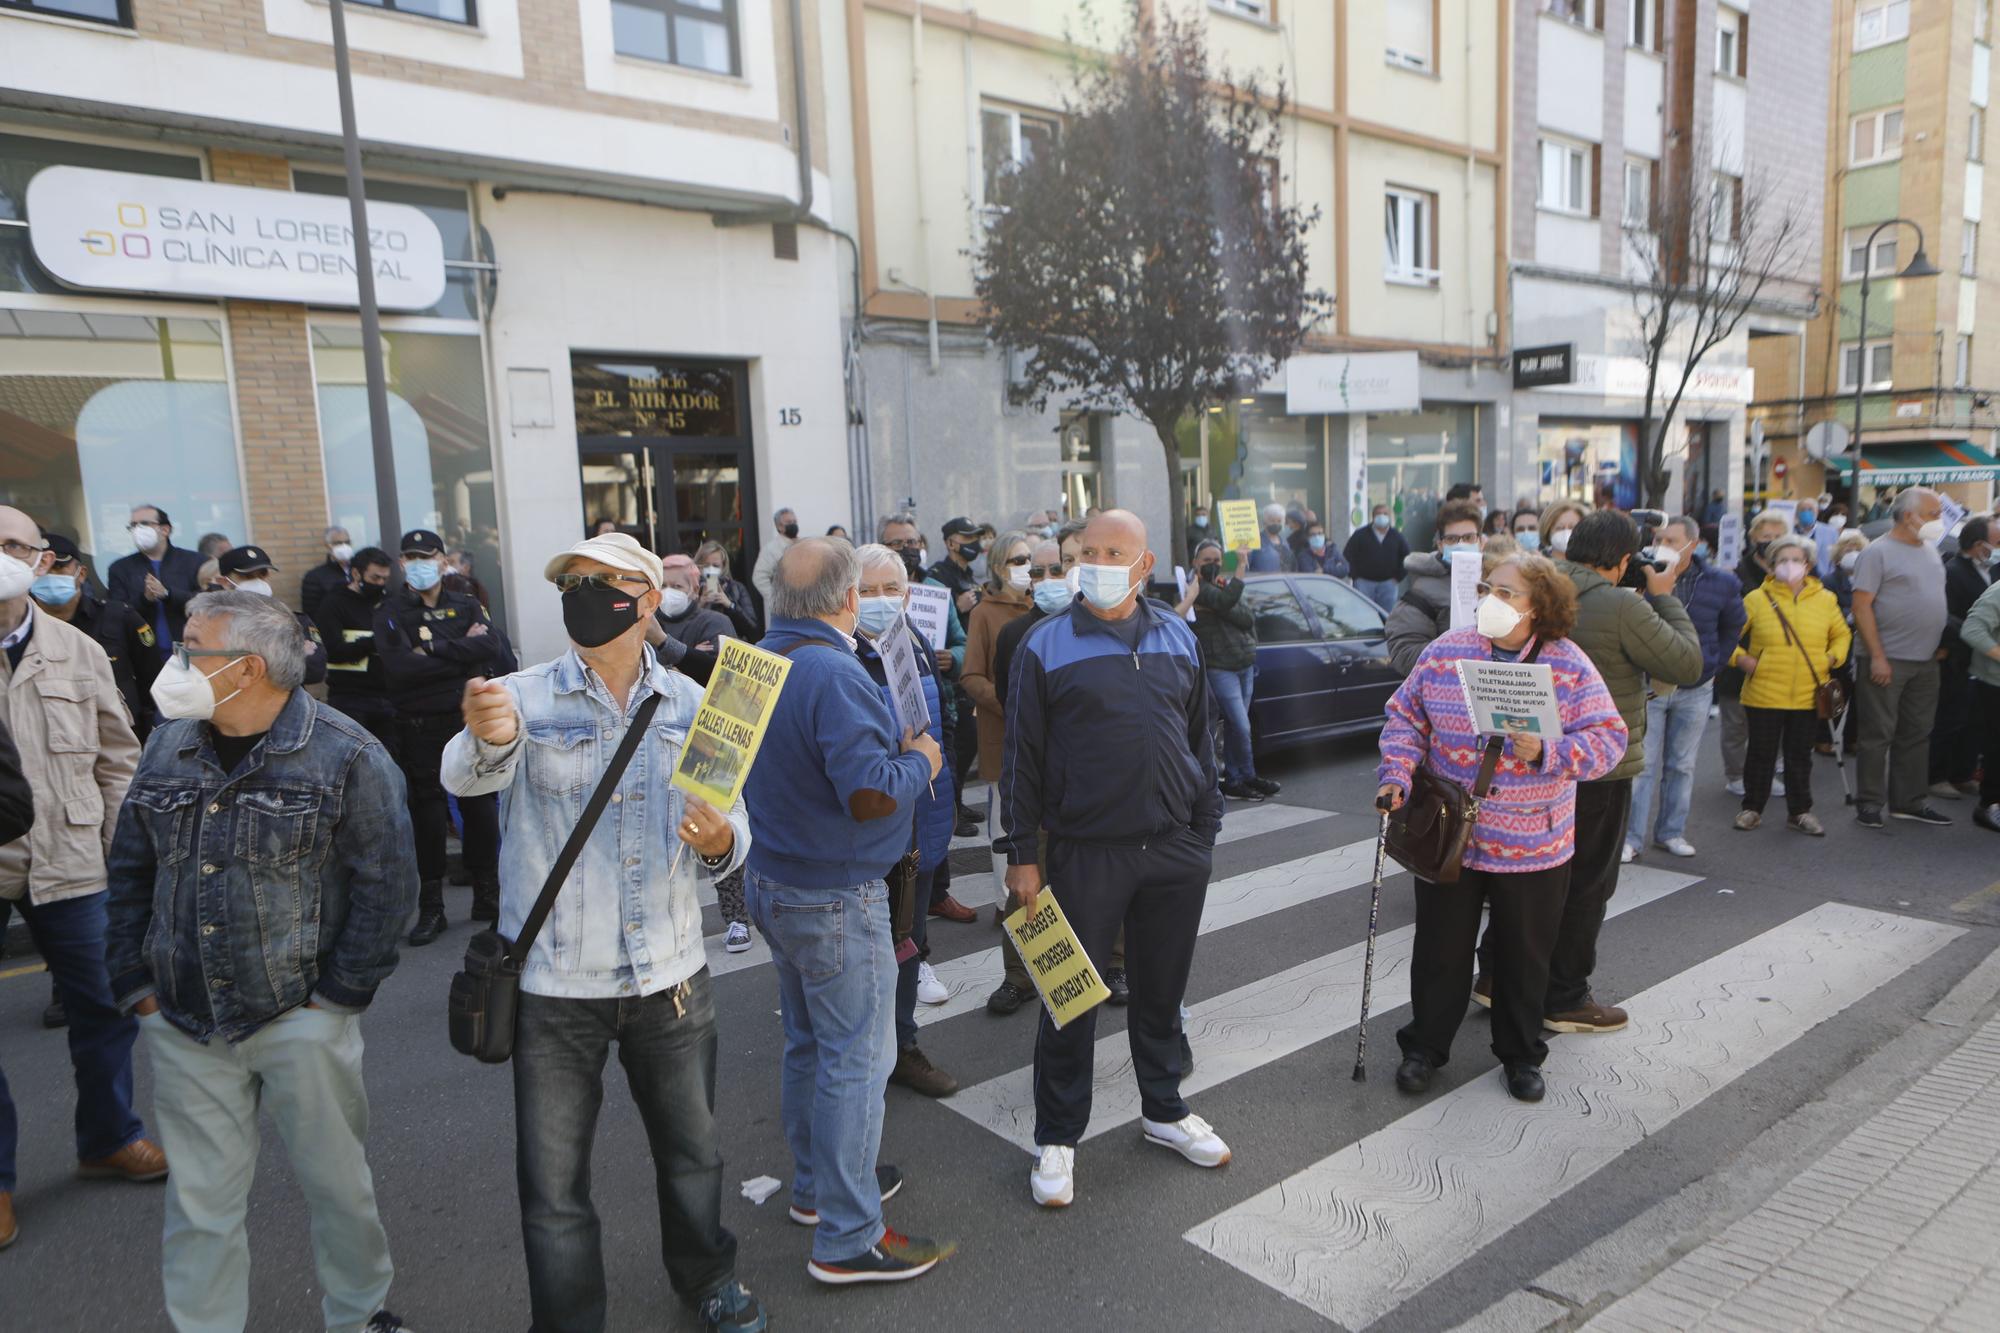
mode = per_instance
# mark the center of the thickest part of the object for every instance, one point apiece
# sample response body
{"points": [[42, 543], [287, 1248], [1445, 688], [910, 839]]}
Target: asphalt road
{"points": [[442, 1143]]}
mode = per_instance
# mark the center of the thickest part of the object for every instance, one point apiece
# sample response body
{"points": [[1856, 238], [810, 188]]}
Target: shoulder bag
{"points": [[486, 996], [1829, 695]]}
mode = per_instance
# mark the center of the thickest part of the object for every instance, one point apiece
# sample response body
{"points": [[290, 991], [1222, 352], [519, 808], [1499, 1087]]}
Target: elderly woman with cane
{"points": [[1517, 857]]}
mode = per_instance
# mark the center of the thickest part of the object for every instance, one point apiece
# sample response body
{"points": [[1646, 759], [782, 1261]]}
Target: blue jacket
{"points": [[1104, 743], [1272, 556], [831, 795], [235, 898], [937, 808], [1714, 602]]}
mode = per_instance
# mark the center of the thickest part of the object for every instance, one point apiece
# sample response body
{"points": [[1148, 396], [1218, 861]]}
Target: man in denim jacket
{"points": [[261, 871], [620, 958]]}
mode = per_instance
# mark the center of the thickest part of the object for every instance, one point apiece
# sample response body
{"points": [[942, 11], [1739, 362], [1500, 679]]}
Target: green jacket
{"points": [[1629, 637], [1224, 627], [1980, 631]]}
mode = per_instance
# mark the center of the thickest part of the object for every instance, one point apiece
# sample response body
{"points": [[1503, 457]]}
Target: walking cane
{"points": [[1368, 962], [1839, 725]]}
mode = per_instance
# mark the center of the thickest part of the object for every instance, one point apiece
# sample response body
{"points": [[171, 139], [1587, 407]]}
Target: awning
{"points": [[1921, 464]]}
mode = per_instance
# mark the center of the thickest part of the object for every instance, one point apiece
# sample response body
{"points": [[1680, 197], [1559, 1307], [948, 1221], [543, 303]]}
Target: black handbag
{"points": [[485, 997], [1428, 832]]}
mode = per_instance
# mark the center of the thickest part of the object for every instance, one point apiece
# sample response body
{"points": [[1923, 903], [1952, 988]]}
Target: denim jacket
{"points": [[622, 924], [236, 897]]}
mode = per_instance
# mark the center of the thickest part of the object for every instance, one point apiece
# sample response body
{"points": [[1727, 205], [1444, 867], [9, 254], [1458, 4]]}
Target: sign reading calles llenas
{"points": [[119, 232]]}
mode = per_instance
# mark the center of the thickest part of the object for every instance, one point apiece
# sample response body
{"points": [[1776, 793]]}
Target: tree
{"points": [[1144, 263], [1705, 258]]}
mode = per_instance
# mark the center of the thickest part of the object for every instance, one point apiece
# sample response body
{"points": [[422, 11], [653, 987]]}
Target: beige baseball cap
{"points": [[616, 549]]}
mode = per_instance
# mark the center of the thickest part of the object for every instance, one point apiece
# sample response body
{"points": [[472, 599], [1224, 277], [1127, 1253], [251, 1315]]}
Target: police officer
{"points": [[431, 642], [249, 569], [355, 683], [128, 639]]}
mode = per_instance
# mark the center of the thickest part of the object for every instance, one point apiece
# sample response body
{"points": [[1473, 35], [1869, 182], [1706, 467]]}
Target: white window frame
{"points": [[1575, 170], [1962, 372], [1880, 22], [1015, 115], [1643, 168], [1725, 189], [1729, 55], [1878, 348], [1642, 24], [1884, 258], [1968, 248], [1877, 125], [1975, 135], [1418, 60], [1257, 11], [1982, 19], [1416, 210]]}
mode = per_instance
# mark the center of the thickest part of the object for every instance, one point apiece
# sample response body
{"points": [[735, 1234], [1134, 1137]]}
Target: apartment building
{"points": [[1397, 134], [599, 298], [1910, 91], [1617, 103]]}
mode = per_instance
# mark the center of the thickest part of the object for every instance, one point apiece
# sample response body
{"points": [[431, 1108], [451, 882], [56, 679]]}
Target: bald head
{"points": [[817, 579], [16, 526], [1116, 537]]}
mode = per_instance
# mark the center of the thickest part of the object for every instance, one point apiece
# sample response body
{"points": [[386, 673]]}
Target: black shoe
{"points": [[384, 1322], [1006, 999], [1240, 791], [1868, 816], [486, 903], [1120, 992], [1988, 816], [55, 1016], [1414, 1075], [429, 926], [1264, 786], [1923, 814], [967, 815], [1524, 1083], [966, 829]]}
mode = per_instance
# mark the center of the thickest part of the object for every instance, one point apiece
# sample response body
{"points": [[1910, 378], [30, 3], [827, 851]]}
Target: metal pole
{"points": [[387, 519], [1860, 371]]}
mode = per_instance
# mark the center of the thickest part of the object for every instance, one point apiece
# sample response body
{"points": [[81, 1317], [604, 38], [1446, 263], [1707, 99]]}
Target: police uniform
{"points": [[247, 564], [127, 638], [355, 681], [428, 652]]}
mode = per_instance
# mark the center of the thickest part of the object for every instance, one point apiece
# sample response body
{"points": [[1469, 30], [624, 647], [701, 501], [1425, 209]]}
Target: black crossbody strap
{"points": [[1793, 639], [517, 951]]}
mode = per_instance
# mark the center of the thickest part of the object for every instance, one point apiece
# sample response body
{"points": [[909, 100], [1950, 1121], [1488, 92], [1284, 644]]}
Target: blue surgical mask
{"points": [[1529, 540], [1201, 521], [423, 575], [1381, 520], [1105, 586], [1701, 551], [53, 589], [1317, 542], [878, 614], [1052, 596], [1806, 517]]}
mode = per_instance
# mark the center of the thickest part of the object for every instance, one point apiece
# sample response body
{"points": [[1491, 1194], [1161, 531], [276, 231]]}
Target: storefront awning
{"points": [[1921, 464]]}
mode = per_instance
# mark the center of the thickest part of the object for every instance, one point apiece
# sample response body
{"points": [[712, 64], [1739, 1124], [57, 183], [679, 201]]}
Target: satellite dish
{"points": [[1828, 439]]}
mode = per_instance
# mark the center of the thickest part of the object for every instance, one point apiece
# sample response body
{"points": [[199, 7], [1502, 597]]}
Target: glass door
{"points": [[704, 498], [619, 484]]}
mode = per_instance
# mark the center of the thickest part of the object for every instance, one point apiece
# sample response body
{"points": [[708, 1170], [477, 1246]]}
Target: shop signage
{"points": [[1625, 377], [1538, 367], [119, 232], [654, 398], [1352, 382]]}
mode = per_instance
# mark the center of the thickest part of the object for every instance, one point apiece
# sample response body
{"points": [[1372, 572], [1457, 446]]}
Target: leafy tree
{"points": [[1145, 263]]}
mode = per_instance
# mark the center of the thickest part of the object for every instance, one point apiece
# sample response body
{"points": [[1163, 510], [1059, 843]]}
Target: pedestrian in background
{"points": [[681, 613], [249, 569], [1321, 557], [1273, 554], [1796, 638], [459, 576], [1227, 633], [17, 816], [785, 531], [1422, 608], [620, 961], [64, 591], [720, 592], [831, 802], [1517, 863], [1556, 524], [1751, 571], [1980, 633], [336, 571], [1004, 599], [158, 579], [1899, 617], [1526, 529], [1846, 555], [355, 681], [240, 1019], [1954, 737], [1376, 554]]}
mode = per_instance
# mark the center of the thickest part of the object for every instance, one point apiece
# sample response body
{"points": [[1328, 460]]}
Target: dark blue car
{"points": [[1322, 660]]}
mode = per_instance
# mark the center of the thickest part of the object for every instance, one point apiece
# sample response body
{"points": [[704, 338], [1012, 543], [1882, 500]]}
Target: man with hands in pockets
{"points": [[620, 959]]}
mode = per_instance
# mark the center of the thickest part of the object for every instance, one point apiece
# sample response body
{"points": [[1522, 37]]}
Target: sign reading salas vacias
{"points": [[115, 231]]}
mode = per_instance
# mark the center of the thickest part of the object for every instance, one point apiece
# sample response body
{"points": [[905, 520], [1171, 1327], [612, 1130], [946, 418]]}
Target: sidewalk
{"points": [[1896, 1228]]}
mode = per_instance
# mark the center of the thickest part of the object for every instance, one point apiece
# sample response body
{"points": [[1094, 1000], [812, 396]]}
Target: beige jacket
{"points": [[79, 753]]}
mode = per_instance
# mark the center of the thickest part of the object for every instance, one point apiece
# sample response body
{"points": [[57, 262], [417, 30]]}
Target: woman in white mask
{"points": [[1517, 861], [1796, 638], [1557, 520], [1005, 599]]}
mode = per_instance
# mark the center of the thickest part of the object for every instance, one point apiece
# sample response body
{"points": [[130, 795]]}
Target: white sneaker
{"points": [[929, 989], [1734, 786], [1627, 854], [738, 938], [1191, 1137], [1054, 1178], [1679, 846]]}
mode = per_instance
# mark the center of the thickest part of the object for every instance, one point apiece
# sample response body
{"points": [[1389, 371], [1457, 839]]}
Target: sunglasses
{"points": [[601, 582], [1019, 559], [1045, 571]]}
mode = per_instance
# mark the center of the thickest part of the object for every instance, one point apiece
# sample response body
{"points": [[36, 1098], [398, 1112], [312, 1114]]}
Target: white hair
{"points": [[258, 626], [876, 556], [1906, 503], [1274, 510]]}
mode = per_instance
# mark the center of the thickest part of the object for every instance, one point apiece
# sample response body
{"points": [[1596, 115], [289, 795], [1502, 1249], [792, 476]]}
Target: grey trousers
{"points": [[1895, 734], [1735, 738]]}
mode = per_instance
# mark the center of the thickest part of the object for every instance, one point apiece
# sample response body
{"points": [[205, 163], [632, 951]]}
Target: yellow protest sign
{"points": [[1239, 524], [1069, 985], [730, 724]]}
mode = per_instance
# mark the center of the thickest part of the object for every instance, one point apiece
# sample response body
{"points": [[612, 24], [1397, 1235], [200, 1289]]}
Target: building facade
{"points": [[638, 315]]}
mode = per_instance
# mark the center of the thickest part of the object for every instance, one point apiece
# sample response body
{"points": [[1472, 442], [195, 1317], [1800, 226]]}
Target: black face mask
{"points": [[1209, 573], [913, 567], [593, 616], [791, 530], [371, 592], [1274, 529], [969, 551]]}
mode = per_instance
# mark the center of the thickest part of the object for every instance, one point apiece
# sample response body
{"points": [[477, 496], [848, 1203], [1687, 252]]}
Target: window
{"points": [[1975, 136], [96, 11], [1877, 23], [1725, 207], [1732, 31], [1585, 13], [1248, 9], [448, 208], [1277, 614], [700, 34], [1982, 18], [1642, 28], [1962, 376], [1008, 141], [1857, 243], [1342, 612], [21, 156], [1968, 248], [1565, 182], [1875, 136], [1409, 239], [452, 11], [1408, 28], [1639, 192], [1881, 361]]}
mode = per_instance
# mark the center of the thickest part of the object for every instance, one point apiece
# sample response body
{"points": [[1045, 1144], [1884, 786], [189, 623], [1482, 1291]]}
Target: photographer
{"points": [[1227, 633]]}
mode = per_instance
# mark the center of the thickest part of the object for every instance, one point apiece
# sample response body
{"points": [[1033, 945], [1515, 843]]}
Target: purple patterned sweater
{"points": [[1529, 820]]}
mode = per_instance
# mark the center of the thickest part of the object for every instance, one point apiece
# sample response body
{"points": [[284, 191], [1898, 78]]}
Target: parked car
{"points": [[1322, 660]]}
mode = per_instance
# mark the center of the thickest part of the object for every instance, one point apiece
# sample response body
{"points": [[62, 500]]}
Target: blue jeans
{"points": [[1674, 726], [906, 973], [837, 995], [1382, 592], [668, 1051], [70, 937], [1232, 691]]}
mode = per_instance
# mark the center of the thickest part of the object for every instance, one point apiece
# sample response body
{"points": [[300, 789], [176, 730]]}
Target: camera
{"points": [[1650, 556]]}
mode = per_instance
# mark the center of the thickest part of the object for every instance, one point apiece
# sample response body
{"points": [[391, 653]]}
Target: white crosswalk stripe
{"points": [[1252, 1026], [1356, 1234]]}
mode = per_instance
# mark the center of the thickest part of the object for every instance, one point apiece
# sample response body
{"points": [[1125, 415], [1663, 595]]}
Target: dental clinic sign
{"points": [[117, 232]]}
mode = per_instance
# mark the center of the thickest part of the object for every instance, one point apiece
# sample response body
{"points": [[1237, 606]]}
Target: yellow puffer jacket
{"points": [[1782, 679]]}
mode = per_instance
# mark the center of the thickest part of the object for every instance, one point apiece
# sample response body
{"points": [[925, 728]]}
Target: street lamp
{"points": [[1919, 266]]}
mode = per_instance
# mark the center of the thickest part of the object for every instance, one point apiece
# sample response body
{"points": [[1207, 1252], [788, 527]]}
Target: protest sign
{"points": [[1239, 524], [930, 612], [1465, 570], [1504, 696], [1729, 541], [906, 681], [730, 724], [1061, 969], [1953, 514], [1785, 509]]}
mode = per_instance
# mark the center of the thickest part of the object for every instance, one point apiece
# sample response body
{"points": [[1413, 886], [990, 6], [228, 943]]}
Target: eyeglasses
{"points": [[601, 582], [1020, 559], [23, 552], [1045, 571], [1472, 540], [182, 653], [1508, 595]]}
